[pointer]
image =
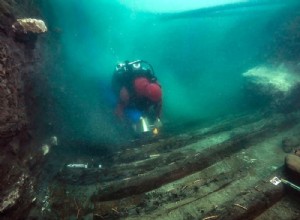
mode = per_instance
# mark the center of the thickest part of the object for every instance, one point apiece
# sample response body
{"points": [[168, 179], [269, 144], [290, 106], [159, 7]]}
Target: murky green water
{"points": [[199, 55]]}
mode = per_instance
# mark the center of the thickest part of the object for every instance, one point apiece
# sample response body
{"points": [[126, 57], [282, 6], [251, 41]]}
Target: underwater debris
{"points": [[154, 155], [78, 209], [53, 141], [240, 206], [77, 165], [12, 197], [45, 149], [211, 217]]}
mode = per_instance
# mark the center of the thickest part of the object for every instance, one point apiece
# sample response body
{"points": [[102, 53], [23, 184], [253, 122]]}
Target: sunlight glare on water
{"points": [[161, 6]]}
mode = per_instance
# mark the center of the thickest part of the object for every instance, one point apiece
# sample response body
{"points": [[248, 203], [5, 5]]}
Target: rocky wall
{"points": [[18, 156], [284, 44]]}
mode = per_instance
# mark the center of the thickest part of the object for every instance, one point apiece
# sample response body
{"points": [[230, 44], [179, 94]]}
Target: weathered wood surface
{"points": [[224, 175], [286, 208], [160, 166]]}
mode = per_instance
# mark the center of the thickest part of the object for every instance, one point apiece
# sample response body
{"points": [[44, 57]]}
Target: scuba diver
{"points": [[139, 96]]}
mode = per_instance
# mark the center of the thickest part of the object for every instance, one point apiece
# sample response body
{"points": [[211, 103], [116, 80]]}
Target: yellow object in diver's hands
{"points": [[155, 131]]}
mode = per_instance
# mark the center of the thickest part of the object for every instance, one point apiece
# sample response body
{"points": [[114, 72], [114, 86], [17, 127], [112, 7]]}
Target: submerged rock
{"points": [[293, 163], [273, 85], [26, 30], [29, 25], [272, 79], [20, 155]]}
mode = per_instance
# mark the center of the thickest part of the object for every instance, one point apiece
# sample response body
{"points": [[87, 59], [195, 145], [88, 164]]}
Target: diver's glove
{"points": [[158, 123]]}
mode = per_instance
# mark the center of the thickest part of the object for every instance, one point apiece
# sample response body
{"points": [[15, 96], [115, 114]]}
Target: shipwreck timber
{"points": [[222, 171]]}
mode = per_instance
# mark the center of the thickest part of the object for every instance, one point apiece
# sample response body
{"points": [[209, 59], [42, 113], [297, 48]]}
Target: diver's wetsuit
{"points": [[125, 78]]}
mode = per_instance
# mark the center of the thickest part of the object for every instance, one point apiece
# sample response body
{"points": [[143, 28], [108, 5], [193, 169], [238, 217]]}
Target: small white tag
{"points": [[77, 165], [275, 181]]}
